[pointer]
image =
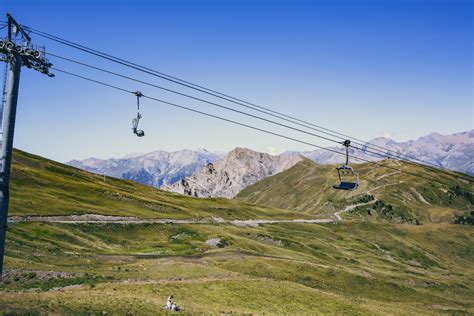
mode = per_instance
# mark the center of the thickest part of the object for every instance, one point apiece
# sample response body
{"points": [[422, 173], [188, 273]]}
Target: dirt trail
{"points": [[107, 219], [420, 197], [104, 219]]}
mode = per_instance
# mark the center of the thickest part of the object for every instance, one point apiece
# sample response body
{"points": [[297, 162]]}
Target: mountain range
{"points": [[154, 169], [203, 173], [454, 152]]}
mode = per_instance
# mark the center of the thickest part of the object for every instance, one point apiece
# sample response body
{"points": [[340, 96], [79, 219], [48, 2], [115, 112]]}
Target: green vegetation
{"points": [[26, 280], [44, 187], [381, 211], [358, 199], [369, 268], [458, 191], [307, 187], [360, 266], [467, 219]]}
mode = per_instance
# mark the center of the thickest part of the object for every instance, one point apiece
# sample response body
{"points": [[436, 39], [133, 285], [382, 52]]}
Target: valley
{"points": [[80, 245]]}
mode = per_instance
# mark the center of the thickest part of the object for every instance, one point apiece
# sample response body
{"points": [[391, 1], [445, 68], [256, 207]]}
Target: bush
{"points": [[463, 193], [223, 243], [467, 219]]}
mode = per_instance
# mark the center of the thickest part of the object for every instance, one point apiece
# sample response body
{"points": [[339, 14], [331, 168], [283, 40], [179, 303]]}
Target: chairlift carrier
{"points": [[345, 171], [135, 121]]}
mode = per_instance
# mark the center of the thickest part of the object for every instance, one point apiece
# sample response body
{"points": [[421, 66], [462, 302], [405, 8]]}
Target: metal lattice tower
{"points": [[4, 94], [17, 52]]}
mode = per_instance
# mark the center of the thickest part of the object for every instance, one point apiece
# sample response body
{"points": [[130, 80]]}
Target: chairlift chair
{"points": [[348, 178], [136, 120], [136, 131]]}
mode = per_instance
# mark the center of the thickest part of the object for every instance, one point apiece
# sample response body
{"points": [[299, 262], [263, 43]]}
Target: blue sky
{"points": [[401, 68]]}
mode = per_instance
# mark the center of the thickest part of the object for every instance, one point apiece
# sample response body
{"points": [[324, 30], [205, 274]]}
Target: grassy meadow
{"points": [[361, 266]]}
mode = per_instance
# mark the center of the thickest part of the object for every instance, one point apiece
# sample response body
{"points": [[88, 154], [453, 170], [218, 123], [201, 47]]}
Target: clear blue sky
{"points": [[367, 68]]}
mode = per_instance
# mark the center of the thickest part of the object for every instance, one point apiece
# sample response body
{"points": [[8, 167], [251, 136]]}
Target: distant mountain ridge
{"points": [[153, 169], [238, 169], [454, 152], [164, 169]]}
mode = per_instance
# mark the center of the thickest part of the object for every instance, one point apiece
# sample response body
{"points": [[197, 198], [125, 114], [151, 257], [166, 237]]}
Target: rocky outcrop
{"points": [[155, 169], [238, 169]]}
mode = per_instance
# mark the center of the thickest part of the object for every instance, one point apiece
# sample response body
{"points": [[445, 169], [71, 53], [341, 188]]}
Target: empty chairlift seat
{"points": [[348, 178]]}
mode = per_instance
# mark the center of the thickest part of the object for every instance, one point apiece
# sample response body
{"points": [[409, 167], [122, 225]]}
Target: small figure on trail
{"points": [[170, 305]]}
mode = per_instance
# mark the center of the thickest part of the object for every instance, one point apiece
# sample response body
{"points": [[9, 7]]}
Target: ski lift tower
{"points": [[17, 51]]}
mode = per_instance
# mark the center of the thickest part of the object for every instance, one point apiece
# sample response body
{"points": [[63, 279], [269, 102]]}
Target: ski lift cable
{"points": [[196, 98], [127, 63], [254, 128], [242, 112], [190, 85], [365, 146], [226, 97]]}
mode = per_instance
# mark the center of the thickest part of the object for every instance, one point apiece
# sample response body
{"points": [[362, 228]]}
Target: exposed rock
{"points": [[155, 169], [213, 242], [238, 169], [455, 152]]}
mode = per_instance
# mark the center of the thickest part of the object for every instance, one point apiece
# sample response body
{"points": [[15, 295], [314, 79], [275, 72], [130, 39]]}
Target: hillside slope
{"points": [[307, 187], [350, 267], [43, 187]]}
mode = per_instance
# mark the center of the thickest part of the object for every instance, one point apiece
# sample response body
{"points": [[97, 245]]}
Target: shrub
{"points": [[467, 219]]}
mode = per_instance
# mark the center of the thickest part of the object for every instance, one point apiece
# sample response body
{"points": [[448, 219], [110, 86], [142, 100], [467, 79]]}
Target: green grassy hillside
{"points": [[352, 267], [362, 268], [307, 187], [44, 187]]}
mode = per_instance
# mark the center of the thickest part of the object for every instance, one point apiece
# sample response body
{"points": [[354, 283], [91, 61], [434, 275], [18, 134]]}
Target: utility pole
{"points": [[7, 146], [16, 54]]}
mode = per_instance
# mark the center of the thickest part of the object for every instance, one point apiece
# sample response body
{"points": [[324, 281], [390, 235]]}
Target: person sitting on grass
{"points": [[170, 305]]}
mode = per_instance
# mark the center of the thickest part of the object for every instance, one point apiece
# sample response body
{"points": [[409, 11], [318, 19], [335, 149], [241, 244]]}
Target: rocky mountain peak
{"points": [[215, 174], [155, 168], [240, 168]]}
